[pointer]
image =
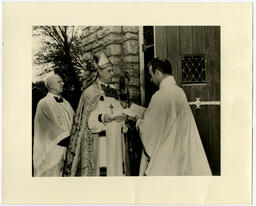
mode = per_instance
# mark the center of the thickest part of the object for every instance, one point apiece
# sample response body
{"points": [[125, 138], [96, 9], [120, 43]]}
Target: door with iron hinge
{"points": [[194, 52]]}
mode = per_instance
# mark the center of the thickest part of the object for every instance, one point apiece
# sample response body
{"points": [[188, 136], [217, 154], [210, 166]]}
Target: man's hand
{"points": [[120, 117], [107, 118], [134, 118]]}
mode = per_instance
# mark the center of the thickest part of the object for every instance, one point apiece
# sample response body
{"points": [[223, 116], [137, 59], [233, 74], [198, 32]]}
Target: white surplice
{"points": [[53, 123], [170, 137]]}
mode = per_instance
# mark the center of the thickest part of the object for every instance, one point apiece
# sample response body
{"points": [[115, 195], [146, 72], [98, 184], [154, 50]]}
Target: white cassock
{"points": [[172, 145], [111, 152], [53, 123]]}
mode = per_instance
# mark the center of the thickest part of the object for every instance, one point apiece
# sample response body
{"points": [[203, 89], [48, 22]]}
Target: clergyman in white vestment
{"points": [[172, 145], [53, 121]]}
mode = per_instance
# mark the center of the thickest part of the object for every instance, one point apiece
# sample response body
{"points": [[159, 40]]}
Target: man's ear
{"points": [[157, 72]]}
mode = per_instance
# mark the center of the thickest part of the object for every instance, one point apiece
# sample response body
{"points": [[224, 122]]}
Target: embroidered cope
{"points": [[89, 150]]}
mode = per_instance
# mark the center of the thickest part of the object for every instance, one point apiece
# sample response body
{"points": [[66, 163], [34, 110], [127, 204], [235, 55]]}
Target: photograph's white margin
{"points": [[254, 75]]}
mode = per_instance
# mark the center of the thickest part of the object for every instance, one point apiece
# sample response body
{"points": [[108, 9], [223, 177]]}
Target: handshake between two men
{"points": [[133, 113]]}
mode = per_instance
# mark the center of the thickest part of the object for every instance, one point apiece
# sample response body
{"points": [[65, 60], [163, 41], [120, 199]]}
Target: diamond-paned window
{"points": [[193, 69]]}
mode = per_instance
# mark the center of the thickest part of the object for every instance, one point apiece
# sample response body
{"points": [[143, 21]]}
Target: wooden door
{"points": [[198, 46], [148, 49]]}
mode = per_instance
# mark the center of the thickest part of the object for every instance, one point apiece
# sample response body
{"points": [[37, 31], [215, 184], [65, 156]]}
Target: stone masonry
{"points": [[121, 45]]}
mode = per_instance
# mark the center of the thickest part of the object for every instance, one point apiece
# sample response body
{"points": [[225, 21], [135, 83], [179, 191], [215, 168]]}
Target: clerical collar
{"points": [[53, 95], [102, 83], [167, 81]]}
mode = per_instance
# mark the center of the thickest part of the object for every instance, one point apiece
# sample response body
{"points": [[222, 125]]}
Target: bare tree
{"points": [[61, 51]]}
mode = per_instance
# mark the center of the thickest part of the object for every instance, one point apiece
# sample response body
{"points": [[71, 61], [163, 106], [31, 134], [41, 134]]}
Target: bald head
{"points": [[54, 84]]}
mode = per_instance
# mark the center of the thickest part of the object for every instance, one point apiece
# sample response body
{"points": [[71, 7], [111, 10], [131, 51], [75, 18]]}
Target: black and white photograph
{"points": [[126, 101]]}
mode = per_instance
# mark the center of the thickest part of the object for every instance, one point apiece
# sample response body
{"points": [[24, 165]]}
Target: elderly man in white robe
{"points": [[172, 145], [53, 121]]}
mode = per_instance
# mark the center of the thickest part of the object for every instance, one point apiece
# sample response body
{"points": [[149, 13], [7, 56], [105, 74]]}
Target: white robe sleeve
{"points": [[154, 122], [95, 121]]}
